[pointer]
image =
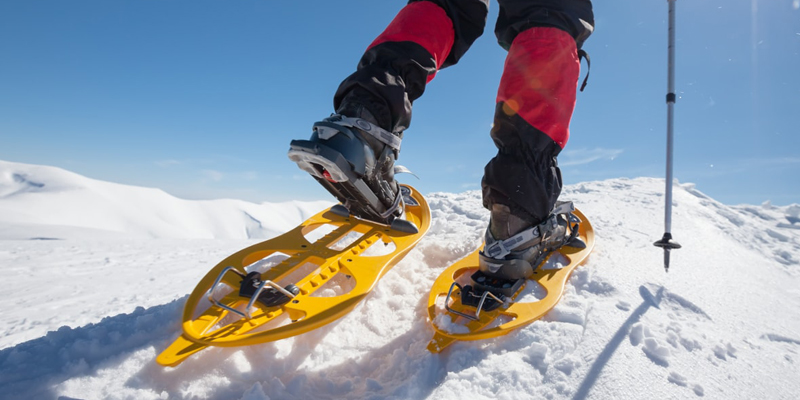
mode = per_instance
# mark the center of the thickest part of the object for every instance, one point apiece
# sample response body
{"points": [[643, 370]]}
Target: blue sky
{"points": [[201, 98]]}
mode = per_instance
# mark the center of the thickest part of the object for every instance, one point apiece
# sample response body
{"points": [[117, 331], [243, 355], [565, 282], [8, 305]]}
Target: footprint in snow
{"points": [[775, 338], [772, 337], [723, 352], [681, 380]]}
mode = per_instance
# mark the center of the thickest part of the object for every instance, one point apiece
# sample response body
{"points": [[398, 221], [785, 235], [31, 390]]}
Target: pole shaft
{"points": [[670, 116]]}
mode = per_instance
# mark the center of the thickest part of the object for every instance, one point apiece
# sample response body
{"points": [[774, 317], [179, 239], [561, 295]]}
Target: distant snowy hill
{"points": [[48, 202], [84, 317]]}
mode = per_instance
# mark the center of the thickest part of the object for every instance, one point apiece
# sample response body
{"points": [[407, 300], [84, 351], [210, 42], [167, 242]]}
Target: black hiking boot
{"points": [[514, 248], [353, 158]]}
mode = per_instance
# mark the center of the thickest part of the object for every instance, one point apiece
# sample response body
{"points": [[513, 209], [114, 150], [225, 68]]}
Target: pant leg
{"points": [[424, 37], [535, 102], [572, 16]]}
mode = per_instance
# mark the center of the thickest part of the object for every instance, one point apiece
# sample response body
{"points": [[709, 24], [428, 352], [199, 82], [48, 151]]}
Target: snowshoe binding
{"points": [[353, 158], [479, 296], [513, 250]]}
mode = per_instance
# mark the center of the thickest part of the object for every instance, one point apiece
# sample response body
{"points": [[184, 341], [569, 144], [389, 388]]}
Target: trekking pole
{"points": [[666, 241]]}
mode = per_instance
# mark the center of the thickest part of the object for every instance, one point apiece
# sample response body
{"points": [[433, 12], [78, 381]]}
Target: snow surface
{"points": [[96, 274]]}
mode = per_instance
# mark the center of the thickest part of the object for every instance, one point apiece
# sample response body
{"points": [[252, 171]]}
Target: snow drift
{"points": [[85, 316], [54, 203]]}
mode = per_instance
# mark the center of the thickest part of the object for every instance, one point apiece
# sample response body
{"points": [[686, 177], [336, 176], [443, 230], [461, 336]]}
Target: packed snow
{"points": [[96, 274]]}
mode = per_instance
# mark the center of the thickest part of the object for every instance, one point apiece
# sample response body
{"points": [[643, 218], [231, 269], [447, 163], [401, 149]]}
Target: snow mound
{"points": [[724, 323], [41, 202]]}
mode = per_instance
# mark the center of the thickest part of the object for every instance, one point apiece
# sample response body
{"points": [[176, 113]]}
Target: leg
{"points": [[535, 102], [352, 154], [424, 37]]}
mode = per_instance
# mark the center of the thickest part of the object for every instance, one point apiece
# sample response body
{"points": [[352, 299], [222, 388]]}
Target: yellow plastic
{"points": [[520, 314], [322, 260]]}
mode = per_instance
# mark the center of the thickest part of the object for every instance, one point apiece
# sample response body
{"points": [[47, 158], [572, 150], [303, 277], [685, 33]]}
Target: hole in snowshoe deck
{"points": [[317, 232], [203, 305], [555, 262], [229, 318], [266, 263], [335, 237], [379, 248], [294, 277], [338, 285], [447, 324], [464, 277], [346, 240], [531, 293]]}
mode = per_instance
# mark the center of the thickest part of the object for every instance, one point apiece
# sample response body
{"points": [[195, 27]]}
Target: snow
{"points": [[45, 200], [86, 311]]}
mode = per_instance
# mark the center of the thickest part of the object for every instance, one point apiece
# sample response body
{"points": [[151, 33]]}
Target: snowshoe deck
{"points": [[462, 321], [302, 288]]}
